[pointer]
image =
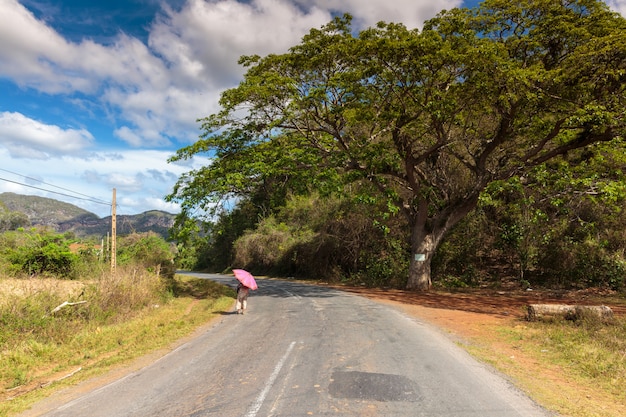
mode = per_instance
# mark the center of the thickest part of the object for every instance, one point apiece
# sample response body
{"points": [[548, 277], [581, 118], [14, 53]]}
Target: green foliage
{"points": [[565, 217], [147, 250], [12, 220], [584, 264], [39, 253], [264, 247], [325, 238], [522, 225], [461, 260], [384, 264], [215, 252]]}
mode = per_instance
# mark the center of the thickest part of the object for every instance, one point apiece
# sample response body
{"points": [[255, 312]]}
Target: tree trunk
{"points": [[423, 246], [419, 269], [427, 234]]}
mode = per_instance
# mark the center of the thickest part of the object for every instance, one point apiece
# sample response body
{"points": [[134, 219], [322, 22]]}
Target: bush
{"points": [[331, 239], [149, 251], [267, 247], [42, 253]]}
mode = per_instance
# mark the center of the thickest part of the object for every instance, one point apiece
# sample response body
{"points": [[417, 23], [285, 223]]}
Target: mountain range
{"points": [[64, 217]]}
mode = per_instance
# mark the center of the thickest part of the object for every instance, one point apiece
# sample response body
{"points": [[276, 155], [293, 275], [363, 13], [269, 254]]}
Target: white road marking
{"points": [[256, 406]]}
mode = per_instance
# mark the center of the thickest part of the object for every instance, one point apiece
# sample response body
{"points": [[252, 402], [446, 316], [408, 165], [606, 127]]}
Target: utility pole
{"points": [[113, 234]]}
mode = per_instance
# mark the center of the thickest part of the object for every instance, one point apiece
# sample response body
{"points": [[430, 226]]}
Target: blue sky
{"points": [[97, 94]]}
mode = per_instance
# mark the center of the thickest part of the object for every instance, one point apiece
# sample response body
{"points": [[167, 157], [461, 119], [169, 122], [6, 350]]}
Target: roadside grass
{"points": [[577, 368], [124, 318]]}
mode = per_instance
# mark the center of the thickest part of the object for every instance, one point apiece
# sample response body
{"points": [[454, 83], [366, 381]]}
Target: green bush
{"points": [[42, 253], [147, 250], [331, 239], [593, 267], [12, 220], [461, 260], [270, 247]]}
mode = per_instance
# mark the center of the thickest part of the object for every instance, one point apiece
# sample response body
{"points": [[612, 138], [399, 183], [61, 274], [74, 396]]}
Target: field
{"points": [[120, 323]]}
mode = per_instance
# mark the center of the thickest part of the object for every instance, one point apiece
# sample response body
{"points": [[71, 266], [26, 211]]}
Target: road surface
{"points": [[303, 350]]}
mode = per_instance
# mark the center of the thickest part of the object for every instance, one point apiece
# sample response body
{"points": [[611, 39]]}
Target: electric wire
{"points": [[90, 199]]}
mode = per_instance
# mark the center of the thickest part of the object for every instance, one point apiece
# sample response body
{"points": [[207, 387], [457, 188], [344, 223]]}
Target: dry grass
{"points": [[126, 316], [12, 288]]}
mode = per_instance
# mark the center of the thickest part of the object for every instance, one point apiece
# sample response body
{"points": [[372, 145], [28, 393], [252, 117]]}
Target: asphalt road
{"points": [[303, 350]]}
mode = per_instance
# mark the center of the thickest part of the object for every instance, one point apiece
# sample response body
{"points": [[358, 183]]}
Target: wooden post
{"points": [[113, 234]]}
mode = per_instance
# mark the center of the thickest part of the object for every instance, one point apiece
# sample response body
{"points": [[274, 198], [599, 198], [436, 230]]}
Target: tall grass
{"points": [[125, 315], [30, 330]]}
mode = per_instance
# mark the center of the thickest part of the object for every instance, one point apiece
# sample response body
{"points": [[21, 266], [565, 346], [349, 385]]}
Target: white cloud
{"points": [[28, 138], [30, 51], [409, 12], [158, 91], [618, 6], [204, 40], [36, 56]]}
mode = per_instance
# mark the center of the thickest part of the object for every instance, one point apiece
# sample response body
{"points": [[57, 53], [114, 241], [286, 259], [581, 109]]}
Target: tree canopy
{"points": [[428, 118]]}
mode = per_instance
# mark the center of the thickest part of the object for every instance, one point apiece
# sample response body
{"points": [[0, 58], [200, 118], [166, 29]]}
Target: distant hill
{"points": [[64, 217]]}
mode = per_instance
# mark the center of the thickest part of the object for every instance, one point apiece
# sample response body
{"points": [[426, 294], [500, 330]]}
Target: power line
{"points": [[90, 198], [56, 192]]}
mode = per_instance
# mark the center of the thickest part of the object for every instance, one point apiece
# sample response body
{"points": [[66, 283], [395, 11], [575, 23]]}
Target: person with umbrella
{"points": [[246, 283]]}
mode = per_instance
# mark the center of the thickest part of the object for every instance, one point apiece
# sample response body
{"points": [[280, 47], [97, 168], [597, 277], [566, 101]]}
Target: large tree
{"points": [[430, 117]]}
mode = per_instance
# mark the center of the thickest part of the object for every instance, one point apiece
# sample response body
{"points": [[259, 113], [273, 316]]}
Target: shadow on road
{"points": [[272, 287]]}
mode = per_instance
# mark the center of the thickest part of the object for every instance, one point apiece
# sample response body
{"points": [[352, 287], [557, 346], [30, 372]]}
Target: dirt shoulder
{"points": [[510, 303]]}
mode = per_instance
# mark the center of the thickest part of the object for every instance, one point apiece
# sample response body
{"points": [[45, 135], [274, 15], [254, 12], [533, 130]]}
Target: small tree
{"points": [[12, 220]]}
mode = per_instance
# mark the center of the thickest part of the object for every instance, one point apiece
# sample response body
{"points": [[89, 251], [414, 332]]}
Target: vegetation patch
{"points": [[591, 351], [124, 317]]}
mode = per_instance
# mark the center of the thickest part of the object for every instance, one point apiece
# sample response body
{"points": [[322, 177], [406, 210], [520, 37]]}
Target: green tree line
{"points": [[489, 142], [40, 252]]}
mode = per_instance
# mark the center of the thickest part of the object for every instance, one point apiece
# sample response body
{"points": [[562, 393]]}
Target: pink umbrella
{"points": [[245, 278]]}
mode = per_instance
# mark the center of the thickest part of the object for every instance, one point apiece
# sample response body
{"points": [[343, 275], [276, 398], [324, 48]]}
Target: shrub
{"points": [[147, 250], [266, 247], [332, 239], [42, 253]]}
